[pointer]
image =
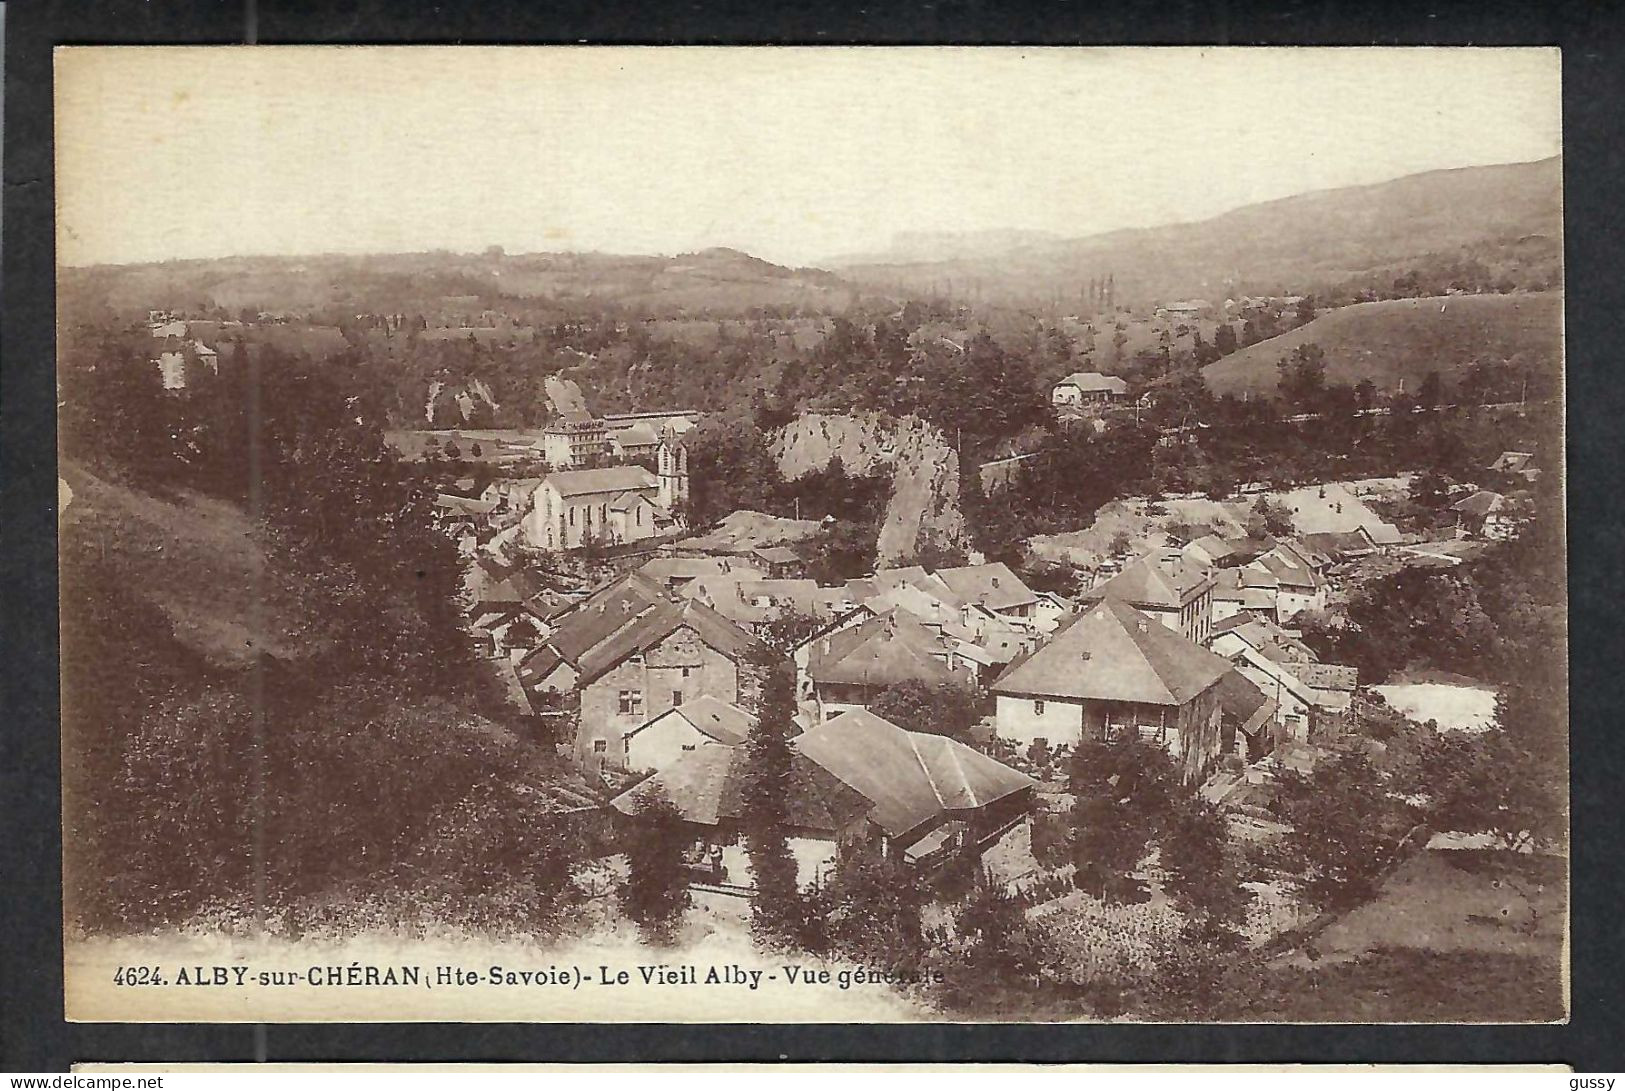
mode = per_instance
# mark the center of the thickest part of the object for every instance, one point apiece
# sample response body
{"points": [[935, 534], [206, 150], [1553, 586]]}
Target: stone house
{"points": [[1110, 670]]}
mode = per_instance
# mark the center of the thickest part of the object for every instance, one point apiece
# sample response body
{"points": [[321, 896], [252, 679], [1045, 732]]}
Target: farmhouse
{"points": [[1086, 387], [1112, 670]]}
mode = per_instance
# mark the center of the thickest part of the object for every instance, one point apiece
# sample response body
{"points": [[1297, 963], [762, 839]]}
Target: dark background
{"points": [[33, 1035]]}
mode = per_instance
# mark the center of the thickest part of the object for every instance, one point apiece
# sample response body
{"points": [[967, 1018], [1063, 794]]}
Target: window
{"points": [[685, 672], [676, 697], [640, 516], [1038, 708], [572, 517], [688, 746], [631, 702], [599, 746]]}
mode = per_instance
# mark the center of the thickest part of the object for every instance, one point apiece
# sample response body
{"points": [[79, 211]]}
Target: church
{"points": [[612, 505]]}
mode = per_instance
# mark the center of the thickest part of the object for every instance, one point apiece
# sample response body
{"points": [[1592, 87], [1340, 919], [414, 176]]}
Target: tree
{"points": [[1224, 339], [787, 628], [655, 891], [999, 945], [774, 909], [1202, 879], [1305, 313], [1124, 790], [1269, 518], [1365, 394], [1342, 820], [1494, 783], [874, 915], [1302, 376], [941, 709], [1431, 392], [1429, 489]]}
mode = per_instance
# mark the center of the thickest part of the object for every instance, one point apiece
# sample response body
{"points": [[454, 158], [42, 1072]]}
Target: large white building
{"points": [[611, 505]]}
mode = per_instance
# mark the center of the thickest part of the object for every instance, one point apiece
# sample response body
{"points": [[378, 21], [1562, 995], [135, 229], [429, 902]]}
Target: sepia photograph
{"points": [[833, 534]]}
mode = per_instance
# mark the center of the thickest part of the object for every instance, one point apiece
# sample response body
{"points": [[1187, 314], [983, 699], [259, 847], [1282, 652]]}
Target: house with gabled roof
{"points": [[1087, 387], [661, 740], [1110, 670], [858, 784], [1287, 671], [1167, 586], [932, 797], [823, 816], [677, 573], [1299, 586], [752, 602], [1238, 589], [848, 668], [1516, 464], [991, 586], [1485, 514], [629, 653]]}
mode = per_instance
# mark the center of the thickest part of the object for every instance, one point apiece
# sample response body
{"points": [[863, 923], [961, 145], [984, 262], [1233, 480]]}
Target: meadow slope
{"points": [[1404, 339]]}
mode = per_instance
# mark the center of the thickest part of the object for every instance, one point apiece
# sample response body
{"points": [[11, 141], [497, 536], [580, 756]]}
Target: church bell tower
{"points": [[672, 461]]}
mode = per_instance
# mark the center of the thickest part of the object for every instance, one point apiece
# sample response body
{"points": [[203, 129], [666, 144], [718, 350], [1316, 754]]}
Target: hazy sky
{"points": [[792, 154]]}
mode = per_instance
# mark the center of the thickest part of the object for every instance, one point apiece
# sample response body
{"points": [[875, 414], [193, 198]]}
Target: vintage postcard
{"points": [[785, 535]]}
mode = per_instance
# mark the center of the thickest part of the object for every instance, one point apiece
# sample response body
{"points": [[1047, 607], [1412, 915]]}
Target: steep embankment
{"points": [[197, 559], [1404, 339], [924, 467]]}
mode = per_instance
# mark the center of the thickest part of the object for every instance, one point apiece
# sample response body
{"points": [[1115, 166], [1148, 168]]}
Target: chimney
{"points": [[1142, 624], [826, 646], [600, 607]]}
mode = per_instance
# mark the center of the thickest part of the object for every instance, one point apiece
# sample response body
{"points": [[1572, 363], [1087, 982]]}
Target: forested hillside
{"points": [[261, 643]]}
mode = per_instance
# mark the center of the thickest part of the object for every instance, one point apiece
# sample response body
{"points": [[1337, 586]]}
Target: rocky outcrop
{"points": [[924, 506]]}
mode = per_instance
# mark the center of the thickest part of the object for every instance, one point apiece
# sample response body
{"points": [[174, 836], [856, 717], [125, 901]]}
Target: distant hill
{"points": [[1405, 339], [714, 281], [1286, 246], [945, 245]]}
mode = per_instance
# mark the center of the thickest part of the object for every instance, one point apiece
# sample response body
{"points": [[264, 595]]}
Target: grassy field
{"points": [[1453, 936], [1404, 339]]}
